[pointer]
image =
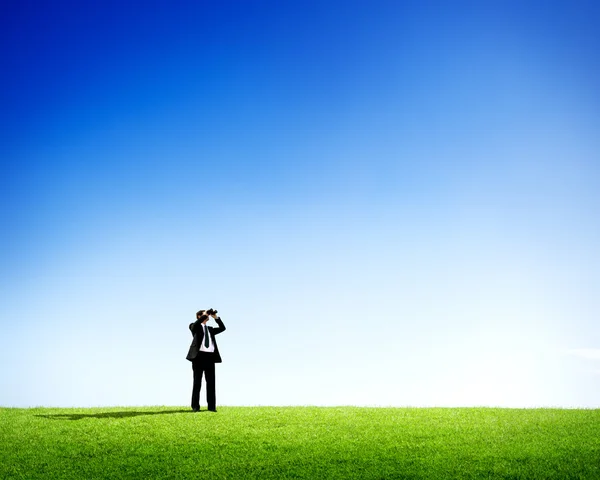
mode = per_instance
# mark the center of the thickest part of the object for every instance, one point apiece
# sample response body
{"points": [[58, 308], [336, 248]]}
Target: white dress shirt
{"points": [[211, 345]]}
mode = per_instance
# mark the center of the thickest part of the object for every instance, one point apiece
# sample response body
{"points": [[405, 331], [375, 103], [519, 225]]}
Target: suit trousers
{"points": [[204, 363]]}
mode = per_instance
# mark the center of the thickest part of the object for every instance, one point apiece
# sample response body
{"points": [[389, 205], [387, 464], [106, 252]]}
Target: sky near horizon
{"points": [[389, 203]]}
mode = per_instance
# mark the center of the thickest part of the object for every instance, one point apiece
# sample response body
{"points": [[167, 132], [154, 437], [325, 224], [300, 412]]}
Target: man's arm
{"points": [[194, 326], [220, 328]]}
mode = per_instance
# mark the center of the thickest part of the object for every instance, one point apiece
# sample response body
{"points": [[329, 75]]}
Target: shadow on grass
{"points": [[124, 414]]}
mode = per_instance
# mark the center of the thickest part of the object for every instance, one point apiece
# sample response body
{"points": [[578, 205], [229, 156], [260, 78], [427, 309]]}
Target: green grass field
{"points": [[299, 442]]}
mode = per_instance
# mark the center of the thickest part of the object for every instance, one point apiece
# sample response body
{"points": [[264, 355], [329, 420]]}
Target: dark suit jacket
{"points": [[198, 333]]}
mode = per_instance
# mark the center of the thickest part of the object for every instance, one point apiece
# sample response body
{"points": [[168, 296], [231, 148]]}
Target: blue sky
{"points": [[390, 203]]}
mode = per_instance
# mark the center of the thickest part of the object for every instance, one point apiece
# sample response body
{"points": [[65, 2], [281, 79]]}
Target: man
{"points": [[203, 354]]}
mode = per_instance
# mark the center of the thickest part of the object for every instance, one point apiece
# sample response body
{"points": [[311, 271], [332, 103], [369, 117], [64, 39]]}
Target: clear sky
{"points": [[390, 203]]}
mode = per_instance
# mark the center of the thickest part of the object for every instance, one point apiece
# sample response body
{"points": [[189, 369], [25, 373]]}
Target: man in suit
{"points": [[203, 354]]}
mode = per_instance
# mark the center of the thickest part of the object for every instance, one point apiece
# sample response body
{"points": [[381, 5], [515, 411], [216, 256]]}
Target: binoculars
{"points": [[211, 312]]}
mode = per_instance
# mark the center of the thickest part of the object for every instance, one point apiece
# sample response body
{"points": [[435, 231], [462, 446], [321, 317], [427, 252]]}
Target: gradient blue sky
{"points": [[390, 203]]}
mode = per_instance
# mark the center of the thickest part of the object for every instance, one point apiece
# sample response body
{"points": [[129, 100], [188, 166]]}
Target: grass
{"points": [[299, 442]]}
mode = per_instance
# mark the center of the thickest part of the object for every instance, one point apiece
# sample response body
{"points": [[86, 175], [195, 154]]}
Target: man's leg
{"points": [[211, 397], [197, 368]]}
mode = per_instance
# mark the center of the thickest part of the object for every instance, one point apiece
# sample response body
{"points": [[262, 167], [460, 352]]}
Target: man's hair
{"points": [[200, 312]]}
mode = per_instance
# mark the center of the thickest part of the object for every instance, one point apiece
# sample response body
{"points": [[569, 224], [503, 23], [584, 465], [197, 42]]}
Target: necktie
{"points": [[206, 339]]}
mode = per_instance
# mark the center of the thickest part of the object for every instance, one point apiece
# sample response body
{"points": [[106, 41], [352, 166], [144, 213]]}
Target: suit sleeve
{"points": [[193, 327], [220, 328]]}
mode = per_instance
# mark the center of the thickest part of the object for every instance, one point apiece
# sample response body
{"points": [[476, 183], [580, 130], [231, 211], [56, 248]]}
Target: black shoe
{"points": [[195, 409], [212, 410]]}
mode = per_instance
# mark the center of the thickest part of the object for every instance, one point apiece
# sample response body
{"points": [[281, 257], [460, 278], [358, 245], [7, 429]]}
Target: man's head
{"points": [[200, 313]]}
